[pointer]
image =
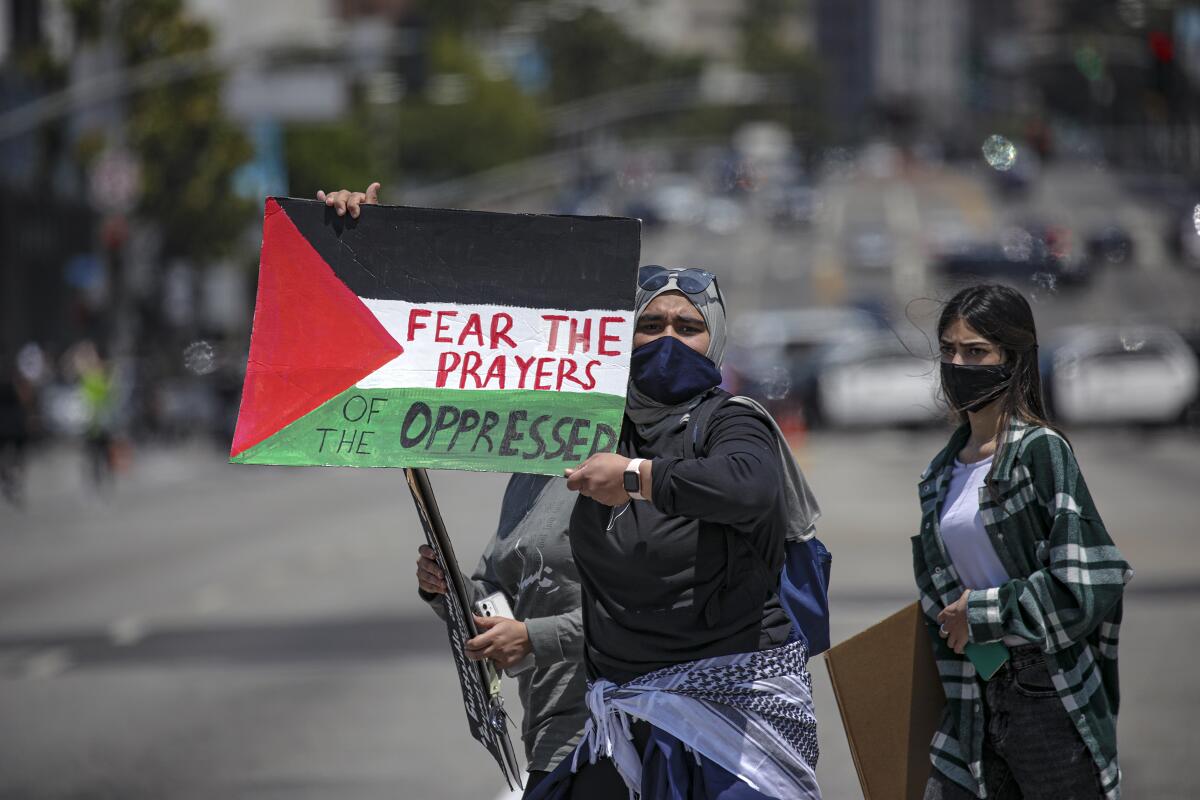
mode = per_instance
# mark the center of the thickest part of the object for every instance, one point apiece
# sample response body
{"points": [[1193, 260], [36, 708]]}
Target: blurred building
{"points": [[706, 26], [36, 242], [845, 35], [921, 57], [268, 23], [906, 55], [269, 48]]}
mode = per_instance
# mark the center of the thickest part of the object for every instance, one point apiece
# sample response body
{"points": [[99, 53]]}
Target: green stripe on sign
{"points": [[489, 431]]}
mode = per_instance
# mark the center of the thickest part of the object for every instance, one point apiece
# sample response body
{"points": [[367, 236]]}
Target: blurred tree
{"points": [[765, 50], [187, 147], [592, 53], [330, 155], [763, 45], [30, 70], [467, 120], [464, 15]]}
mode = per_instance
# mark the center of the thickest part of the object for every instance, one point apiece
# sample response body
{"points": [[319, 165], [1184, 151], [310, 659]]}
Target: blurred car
{"points": [[945, 231], [1183, 235], [643, 209], [1110, 244], [874, 380], [723, 216], [1029, 254], [1056, 244], [992, 260], [1179, 198], [1110, 374], [1017, 178], [674, 199], [773, 355], [870, 249], [678, 199], [1191, 414], [794, 204]]}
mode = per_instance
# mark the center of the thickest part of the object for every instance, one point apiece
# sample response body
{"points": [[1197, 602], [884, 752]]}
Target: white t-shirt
{"points": [[963, 532]]}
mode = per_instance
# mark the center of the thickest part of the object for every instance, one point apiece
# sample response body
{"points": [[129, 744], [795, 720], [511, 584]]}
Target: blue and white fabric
{"points": [[750, 713]]}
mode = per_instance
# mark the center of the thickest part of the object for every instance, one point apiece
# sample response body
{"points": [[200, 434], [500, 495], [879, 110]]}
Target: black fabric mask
{"points": [[970, 387], [669, 371]]}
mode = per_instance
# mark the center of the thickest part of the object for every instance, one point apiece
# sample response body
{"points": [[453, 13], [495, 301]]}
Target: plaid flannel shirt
{"points": [[1064, 595]]}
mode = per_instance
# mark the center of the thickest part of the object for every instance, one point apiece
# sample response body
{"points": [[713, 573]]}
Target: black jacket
{"points": [[693, 572]]}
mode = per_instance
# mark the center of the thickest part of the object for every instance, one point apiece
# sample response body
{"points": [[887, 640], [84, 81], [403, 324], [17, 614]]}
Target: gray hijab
{"points": [[652, 418], [659, 424]]}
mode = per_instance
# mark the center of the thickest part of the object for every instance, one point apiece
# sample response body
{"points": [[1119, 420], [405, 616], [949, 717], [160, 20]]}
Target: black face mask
{"points": [[970, 387]]}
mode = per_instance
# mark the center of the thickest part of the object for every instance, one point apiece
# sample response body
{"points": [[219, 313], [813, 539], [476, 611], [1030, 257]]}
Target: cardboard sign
{"points": [[486, 718], [416, 337], [890, 696]]}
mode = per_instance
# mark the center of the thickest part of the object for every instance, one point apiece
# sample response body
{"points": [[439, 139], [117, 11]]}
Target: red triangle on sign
{"points": [[313, 338]]}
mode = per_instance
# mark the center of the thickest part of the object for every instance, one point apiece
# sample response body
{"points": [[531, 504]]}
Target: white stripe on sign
{"points": [[461, 346]]}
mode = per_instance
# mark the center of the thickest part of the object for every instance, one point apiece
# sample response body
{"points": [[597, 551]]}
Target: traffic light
{"points": [[1162, 67]]}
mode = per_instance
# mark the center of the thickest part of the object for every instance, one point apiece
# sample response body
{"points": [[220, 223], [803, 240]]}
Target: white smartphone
{"points": [[496, 605]]}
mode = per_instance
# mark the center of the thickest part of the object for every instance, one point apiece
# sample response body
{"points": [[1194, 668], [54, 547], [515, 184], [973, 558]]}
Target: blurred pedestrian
{"points": [[16, 401], [699, 686], [96, 389], [1015, 568]]}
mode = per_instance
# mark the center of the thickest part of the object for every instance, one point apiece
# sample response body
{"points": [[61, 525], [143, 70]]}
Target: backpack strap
{"points": [[696, 421]]}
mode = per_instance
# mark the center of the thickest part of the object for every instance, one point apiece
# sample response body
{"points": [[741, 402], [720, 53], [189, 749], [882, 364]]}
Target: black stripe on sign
{"points": [[429, 255]]}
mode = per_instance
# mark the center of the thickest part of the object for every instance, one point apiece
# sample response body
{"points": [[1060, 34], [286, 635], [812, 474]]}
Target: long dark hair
{"points": [[1002, 315]]}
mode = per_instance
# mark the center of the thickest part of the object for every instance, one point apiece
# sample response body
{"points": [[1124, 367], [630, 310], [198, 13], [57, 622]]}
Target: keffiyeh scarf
{"points": [[749, 713]]}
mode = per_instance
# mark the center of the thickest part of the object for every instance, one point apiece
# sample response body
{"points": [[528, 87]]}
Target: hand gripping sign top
{"points": [[415, 337]]}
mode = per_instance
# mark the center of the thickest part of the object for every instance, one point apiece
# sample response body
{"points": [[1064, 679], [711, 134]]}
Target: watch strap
{"points": [[635, 467]]}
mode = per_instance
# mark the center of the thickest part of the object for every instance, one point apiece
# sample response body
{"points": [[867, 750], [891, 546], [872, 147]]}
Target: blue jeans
{"points": [[1031, 749]]}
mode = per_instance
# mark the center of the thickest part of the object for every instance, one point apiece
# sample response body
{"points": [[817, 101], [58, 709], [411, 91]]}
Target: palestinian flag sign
{"points": [[415, 337]]}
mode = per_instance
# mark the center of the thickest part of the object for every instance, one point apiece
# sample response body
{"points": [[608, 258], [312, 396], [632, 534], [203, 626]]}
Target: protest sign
{"points": [[890, 697], [437, 338]]}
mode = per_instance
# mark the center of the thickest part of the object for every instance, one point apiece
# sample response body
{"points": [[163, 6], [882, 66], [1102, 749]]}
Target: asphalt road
{"points": [[222, 631]]}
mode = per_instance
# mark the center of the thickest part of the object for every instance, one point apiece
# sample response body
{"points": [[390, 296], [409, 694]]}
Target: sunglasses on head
{"points": [[652, 277]]}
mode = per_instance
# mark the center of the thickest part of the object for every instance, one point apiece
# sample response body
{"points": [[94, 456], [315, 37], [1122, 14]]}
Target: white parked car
{"points": [[773, 354], [678, 199], [876, 381], [1105, 374]]}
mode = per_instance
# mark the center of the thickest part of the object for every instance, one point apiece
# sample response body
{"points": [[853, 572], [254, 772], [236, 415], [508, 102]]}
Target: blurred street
{"points": [[222, 631]]}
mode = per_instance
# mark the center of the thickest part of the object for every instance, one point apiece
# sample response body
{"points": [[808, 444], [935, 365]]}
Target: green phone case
{"points": [[987, 657]]}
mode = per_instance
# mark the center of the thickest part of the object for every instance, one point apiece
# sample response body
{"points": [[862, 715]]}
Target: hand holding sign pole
{"points": [[417, 338], [479, 681]]}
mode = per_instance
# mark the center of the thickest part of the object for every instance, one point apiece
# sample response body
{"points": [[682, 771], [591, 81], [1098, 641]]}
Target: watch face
{"points": [[633, 482]]}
